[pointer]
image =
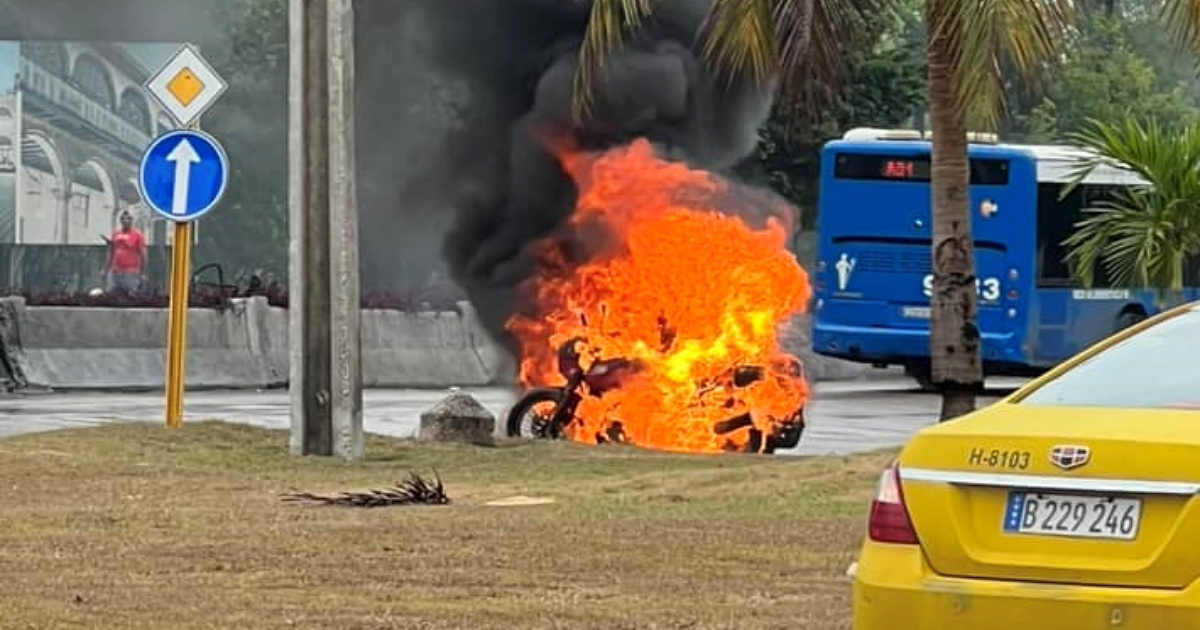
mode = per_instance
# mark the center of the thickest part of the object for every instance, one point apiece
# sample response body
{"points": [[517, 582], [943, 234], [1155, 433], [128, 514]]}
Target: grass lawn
{"points": [[137, 526]]}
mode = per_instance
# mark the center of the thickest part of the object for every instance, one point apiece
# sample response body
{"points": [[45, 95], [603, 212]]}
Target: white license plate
{"points": [[915, 312], [1073, 515]]}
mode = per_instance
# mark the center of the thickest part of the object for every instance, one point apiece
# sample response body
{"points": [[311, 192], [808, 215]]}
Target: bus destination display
{"points": [[916, 168]]}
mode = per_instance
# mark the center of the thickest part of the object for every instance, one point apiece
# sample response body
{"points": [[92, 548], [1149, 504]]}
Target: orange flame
{"points": [[688, 291]]}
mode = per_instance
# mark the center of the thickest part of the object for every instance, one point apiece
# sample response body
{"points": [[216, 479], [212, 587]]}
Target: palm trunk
{"points": [[954, 333]]}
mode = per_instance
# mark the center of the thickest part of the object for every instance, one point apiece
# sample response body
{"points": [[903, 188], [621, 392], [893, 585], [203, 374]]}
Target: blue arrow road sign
{"points": [[183, 174]]}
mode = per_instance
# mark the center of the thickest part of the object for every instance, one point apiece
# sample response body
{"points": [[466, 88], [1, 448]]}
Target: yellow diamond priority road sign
{"points": [[186, 86]]}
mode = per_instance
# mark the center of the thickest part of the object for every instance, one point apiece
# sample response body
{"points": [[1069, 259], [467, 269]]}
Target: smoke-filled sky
{"points": [[449, 93], [152, 56], [482, 76]]}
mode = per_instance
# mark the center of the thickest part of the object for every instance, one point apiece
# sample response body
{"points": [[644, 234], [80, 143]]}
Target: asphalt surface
{"points": [[843, 417]]}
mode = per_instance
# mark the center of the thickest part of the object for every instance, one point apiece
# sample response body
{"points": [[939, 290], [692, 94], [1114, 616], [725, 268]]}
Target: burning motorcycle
{"points": [[547, 412]]}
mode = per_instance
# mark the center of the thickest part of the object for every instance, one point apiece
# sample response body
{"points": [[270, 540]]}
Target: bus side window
{"points": [[1191, 272], [1055, 222], [1092, 195]]}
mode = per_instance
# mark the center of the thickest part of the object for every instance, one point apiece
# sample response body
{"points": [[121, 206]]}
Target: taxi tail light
{"points": [[889, 522]]}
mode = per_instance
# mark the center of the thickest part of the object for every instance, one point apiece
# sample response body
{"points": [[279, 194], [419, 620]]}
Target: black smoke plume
{"points": [[516, 59]]}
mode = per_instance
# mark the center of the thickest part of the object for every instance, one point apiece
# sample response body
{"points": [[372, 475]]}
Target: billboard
{"points": [[9, 138], [74, 119]]}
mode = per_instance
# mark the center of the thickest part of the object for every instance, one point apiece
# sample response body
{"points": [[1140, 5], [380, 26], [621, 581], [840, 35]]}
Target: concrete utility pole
{"points": [[324, 338]]}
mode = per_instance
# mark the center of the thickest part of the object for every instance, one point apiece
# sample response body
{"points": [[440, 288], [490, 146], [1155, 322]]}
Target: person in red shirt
{"points": [[126, 256]]}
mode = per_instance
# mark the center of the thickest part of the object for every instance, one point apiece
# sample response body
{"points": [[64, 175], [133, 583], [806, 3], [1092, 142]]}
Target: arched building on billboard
{"points": [[75, 122]]}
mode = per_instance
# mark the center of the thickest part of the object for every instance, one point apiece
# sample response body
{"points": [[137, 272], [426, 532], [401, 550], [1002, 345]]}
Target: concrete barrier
{"points": [[271, 340], [499, 366], [67, 347], [419, 350], [246, 346]]}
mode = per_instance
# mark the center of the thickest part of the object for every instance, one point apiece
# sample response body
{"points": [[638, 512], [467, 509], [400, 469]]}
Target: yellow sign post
{"points": [[181, 269], [183, 175]]}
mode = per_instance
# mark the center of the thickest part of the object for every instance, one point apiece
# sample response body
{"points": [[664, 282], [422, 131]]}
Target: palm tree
{"points": [[805, 39], [966, 42], [1144, 236]]}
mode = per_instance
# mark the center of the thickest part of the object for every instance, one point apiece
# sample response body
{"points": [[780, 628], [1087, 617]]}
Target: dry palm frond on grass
{"points": [[414, 491]]}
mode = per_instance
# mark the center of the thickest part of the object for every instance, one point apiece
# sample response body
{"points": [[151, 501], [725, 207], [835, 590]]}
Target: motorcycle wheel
{"points": [[537, 405], [787, 437]]}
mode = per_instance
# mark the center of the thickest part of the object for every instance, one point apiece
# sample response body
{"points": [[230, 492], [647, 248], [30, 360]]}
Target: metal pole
{"points": [[323, 327]]}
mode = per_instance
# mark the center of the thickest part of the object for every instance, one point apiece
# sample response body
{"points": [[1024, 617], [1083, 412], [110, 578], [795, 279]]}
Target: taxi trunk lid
{"points": [[1081, 496]]}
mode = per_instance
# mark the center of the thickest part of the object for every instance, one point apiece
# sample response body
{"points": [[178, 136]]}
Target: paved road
{"points": [[844, 417]]}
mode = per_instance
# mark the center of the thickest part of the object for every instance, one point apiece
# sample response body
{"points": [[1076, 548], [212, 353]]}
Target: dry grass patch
{"points": [[135, 526]]}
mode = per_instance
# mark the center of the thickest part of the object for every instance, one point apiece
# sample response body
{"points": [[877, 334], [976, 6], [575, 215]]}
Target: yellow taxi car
{"points": [[1069, 505]]}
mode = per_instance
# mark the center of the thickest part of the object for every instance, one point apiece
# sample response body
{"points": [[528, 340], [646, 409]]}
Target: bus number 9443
{"points": [[988, 289]]}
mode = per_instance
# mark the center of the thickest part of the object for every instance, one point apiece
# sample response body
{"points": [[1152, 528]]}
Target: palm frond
{"points": [[815, 40], [1182, 19], [1127, 144], [1086, 244], [416, 490], [738, 38], [982, 32], [609, 25], [1142, 235], [806, 42]]}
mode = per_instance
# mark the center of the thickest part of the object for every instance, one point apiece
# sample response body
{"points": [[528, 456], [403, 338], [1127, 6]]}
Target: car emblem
{"points": [[1068, 457]]}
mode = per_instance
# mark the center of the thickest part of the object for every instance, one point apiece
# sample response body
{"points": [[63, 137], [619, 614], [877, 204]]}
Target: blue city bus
{"points": [[873, 276]]}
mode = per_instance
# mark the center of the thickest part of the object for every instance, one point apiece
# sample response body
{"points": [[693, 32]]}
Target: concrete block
{"points": [[458, 418], [274, 339], [498, 364], [11, 311], [427, 349], [125, 348]]}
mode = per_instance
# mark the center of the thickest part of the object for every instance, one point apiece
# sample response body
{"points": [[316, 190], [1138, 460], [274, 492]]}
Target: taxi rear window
{"points": [[1157, 368]]}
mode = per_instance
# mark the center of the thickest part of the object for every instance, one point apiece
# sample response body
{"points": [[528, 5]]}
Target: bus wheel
{"points": [[1129, 318], [920, 373]]}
